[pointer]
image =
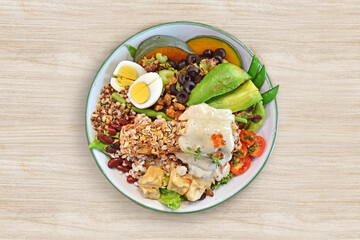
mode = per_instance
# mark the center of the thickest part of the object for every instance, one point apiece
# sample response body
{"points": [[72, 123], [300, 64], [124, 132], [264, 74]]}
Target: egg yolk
{"points": [[127, 75], [140, 92], [128, 72]]}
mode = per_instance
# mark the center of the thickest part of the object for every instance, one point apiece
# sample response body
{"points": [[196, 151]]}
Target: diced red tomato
{"points": [[247, 137], [258, 147], [243, 151], [240, 167]]}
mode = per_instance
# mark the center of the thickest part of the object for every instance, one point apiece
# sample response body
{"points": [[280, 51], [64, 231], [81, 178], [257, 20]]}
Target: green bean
{"points": [[147, 112], [152, 113], [240, 119], [260, 78], [270, 95], [118, 98], [254, 67]]}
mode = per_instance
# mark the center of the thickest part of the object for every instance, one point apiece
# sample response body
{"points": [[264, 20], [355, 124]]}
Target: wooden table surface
{"points": [[50, 186]]}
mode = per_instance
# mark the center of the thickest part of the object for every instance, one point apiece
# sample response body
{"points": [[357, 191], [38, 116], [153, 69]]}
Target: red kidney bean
{"points": [[131, 179], [116, 127], [128, 163], [105, 139], [114, 162], [111, 131], [123, 168], [123, 122]]}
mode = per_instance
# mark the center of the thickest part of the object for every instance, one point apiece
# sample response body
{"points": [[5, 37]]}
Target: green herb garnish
{"points": [[196, 153], [216, 160]]}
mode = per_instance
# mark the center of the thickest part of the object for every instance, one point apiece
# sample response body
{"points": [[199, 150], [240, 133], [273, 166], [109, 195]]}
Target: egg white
{"points": [[155, 84], [139, 69], [115, 84]]}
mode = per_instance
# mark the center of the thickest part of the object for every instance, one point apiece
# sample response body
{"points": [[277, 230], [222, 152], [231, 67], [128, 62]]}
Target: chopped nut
{"points": [[170, 112], [160, 101], [179, 106], [178, 114], [167, 99], [158, 107]]}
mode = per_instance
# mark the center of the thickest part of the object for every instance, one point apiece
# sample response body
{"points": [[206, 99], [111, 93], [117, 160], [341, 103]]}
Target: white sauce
{"points": [[202, 122]]}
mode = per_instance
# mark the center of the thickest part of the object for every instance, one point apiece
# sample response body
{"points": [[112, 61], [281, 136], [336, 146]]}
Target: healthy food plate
{"points": [[181, 117]]}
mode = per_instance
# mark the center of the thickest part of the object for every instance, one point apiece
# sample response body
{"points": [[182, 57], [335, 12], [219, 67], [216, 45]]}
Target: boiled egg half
{"points": [[146, 90], [125, 74]]}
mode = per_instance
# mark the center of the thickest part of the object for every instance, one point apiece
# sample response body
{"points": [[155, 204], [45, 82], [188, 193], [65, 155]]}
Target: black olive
{"points": [[219, 58], [208, 53], [221, 52], [189, 86], [197, 79], [181, 64], [192, 71], [182, 97], [183, 78], [192, 59], [172, 88], [173, 64]]}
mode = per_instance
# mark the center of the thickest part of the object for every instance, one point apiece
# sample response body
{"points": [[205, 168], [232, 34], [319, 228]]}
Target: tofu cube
{"points": [[179, 184], [150, 192], [197, 188], [151, 181]]}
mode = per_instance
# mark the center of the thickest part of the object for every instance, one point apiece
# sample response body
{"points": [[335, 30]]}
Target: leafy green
{"points": [[132, 50], [169, 198], [96, 144], [225, 180]]}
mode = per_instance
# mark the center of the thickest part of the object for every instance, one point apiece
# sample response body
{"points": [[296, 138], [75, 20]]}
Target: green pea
{"points": [[270, 95]]}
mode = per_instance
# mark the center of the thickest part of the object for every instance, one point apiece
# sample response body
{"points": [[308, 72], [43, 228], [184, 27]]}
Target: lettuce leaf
{"points": [[225, 180], [96, 144], [169, 198]]}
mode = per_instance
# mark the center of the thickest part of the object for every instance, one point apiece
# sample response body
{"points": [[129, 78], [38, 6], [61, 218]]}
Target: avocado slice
{"points": [[222, 79], [239, 99]]}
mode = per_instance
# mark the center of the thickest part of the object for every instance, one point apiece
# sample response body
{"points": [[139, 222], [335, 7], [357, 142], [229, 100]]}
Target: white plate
{"points": [[184, 31]]}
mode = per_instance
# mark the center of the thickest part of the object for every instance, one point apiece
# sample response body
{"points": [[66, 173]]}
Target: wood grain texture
{"points": [[51, 188]]}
